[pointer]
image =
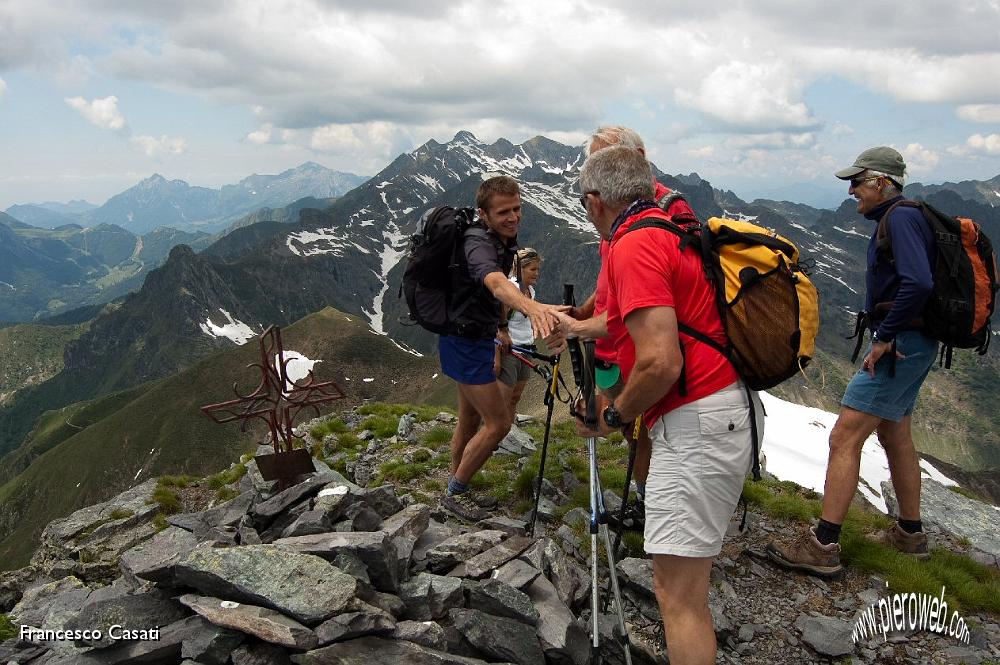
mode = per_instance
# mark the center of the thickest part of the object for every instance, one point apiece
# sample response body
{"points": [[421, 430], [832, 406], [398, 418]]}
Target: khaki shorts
{"points": [[701, 454], [512, 370]]}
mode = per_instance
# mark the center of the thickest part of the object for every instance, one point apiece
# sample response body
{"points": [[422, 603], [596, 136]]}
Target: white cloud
{"points": [[103, 112], [3, 87], [155, 146], [919, 159], [754, 95], [985, 113], [989, 145], [772, 140], [262, 135]]}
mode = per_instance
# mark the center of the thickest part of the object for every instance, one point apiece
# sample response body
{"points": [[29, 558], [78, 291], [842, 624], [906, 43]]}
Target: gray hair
{"points": [[610, 135], [620, 175], [894, 183]]}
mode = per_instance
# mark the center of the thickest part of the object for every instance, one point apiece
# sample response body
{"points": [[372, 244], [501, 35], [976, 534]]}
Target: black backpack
{"points": [[958, 311], [433, 259]]}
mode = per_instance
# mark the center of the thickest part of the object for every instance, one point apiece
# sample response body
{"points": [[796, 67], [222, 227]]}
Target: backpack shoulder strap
{"points": [[882, 238], [687, 236]]}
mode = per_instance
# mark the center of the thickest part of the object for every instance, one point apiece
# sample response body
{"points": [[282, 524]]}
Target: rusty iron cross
{"points": [[277, 401]]}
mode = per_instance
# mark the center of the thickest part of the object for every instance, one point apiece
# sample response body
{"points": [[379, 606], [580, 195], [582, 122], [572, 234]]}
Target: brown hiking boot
{"points": [[808, 555], [465, 507], [914, 544]]}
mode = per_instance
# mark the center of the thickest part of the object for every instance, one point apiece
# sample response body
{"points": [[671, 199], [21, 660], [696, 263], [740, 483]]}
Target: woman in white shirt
{"points": [[512, 374]]}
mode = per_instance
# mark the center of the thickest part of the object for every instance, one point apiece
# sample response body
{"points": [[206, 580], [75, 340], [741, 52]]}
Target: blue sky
{"points": [[758, 97]]}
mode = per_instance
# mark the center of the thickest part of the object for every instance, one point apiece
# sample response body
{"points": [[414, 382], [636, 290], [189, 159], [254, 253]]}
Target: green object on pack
{"points": [[606, 378]]}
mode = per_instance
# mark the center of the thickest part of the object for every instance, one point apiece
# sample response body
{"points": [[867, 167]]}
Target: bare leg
{"points": [[507, 396], [846, 439], [515, 398], [904, 465], [485, 400], [468, 423], [681, 585]]}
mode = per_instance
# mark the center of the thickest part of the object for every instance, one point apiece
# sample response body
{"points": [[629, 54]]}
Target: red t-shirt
{"points": [[647, 269], [604, 347]]}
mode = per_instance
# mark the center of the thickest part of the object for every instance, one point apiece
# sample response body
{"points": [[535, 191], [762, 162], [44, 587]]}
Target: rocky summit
{"points": [[342, 568]]}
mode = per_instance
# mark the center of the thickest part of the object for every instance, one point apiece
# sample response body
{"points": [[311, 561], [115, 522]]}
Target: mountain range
{"points": [[350, 255], [157, 201]]}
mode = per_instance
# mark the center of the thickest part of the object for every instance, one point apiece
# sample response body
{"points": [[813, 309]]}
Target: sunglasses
{"points": [[583, 199], [860, 180]]}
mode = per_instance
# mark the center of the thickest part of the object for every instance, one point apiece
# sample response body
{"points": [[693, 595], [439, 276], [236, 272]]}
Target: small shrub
{"points": [[382, 426], [224, 494], [119, 514], [160, 522], [168, 500], [227, 477], [176, 481], [7, 630]]}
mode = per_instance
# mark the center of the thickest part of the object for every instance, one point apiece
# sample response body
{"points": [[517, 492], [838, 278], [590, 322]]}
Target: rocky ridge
{"points": [[337, 570]]}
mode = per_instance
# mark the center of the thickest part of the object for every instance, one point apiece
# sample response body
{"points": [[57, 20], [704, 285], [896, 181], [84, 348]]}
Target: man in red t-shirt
{"points": [[689, 395], [608, 374]]}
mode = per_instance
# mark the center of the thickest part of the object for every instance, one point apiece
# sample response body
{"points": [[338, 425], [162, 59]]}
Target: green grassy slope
{"points": [[30, 354]]}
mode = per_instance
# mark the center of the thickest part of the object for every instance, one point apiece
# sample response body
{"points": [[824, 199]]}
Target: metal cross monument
{"points": [[277, 400]]}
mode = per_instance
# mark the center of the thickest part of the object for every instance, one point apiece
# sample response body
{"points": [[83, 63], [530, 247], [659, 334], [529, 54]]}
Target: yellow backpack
{"points": [[768, 304]]}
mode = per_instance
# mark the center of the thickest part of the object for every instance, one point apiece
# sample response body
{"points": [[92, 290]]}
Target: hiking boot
{"points": [[914, 544], [483, 500], [807, 554], [465, 507]]}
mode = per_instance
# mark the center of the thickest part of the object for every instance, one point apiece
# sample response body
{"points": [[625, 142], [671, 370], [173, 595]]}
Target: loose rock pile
{"points": [[329, 571]]}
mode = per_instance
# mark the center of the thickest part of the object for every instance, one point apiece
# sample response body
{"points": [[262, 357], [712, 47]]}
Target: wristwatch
{"points": [[611, 417]]}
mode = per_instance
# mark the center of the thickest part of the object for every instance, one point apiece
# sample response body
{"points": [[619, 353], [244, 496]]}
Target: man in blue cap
{"points": [[881, 395]]}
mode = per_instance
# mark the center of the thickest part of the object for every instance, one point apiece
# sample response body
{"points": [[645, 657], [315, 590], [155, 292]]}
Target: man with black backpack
{"points": [[486, 255], [881, 395], [687, 392]]}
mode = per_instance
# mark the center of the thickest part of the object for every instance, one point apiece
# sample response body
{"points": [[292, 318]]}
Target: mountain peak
{"points": [[465, 136]]}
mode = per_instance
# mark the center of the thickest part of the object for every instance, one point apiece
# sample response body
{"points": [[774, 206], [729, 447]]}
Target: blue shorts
{"points": [[892, 398], [468, 361]]}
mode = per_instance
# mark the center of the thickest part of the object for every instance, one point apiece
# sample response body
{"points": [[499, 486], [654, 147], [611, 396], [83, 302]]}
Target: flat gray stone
{"points": [[517, 573], [37, 601], [163, 651], [266, 511], [493, 558], [462, 547], [132, 612], [828, 636], [373, 548], [561, 637], [363, 620], [429, 597], [371, 650], [260, 654], [154, 559], [424, 633], [403, 529], [508, 525], [435, 533], [570, 580], [382, 500], [260, 622], [309, 522], [302, 586], [497, 638], [500, 599], [211, 646]]}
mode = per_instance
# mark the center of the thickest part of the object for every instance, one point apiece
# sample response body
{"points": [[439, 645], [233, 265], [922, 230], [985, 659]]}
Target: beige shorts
{"points": [[701, 454], [512, 370]]}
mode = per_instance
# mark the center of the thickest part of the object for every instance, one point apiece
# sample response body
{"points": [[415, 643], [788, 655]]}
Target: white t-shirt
{"points": [[520, 325]]}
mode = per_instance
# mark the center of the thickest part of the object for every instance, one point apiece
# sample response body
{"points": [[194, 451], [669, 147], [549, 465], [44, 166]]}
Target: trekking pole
{"points": [[583, 371], [550, 400], [633, 444]]}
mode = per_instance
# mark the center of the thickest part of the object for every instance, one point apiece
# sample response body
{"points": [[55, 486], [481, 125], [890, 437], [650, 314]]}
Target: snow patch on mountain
{"points": [[556, 202], [317, 241], [392, 251], [233, 329], [297, 367], [850, 232], [796, 448]]}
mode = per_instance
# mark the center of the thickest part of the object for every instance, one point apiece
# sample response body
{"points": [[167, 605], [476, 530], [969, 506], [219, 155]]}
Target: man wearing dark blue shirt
{"points": [[880, 397]]}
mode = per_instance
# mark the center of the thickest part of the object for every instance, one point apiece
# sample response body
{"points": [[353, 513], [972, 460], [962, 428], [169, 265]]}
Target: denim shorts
{"points": [[892, 398], [468, 361]]}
